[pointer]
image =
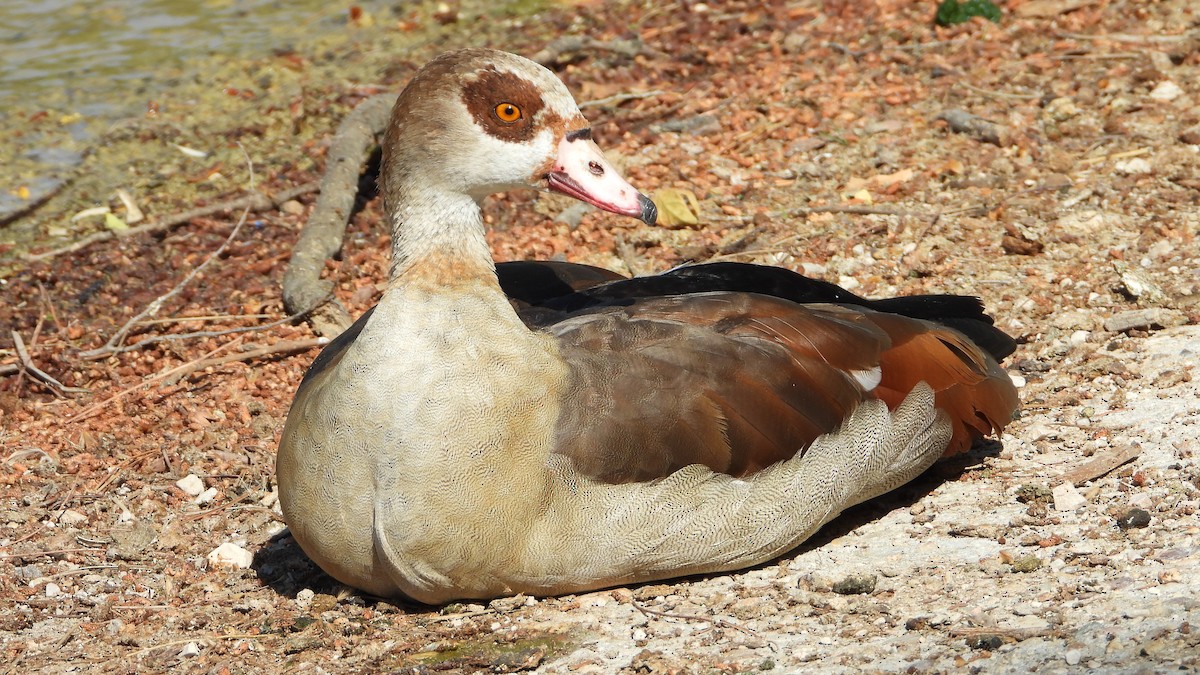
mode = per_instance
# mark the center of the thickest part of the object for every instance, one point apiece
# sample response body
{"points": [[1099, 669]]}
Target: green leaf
{"points": [[951, 12], [114, 223]]}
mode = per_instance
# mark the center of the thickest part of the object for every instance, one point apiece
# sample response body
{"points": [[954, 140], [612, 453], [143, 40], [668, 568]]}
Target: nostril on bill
{"points": [[595, 168]]}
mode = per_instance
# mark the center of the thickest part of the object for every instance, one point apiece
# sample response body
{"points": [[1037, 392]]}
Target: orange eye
{"points": [[507, 112]]}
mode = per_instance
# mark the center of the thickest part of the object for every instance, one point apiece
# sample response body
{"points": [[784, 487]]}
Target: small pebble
{"points": [[231, 555], [573, 214], [28, 572], [1141, 500], [1067, 498], [856, 585], [811, 269], [1073, 657], [71, 517], [1144, 318], [1026, 609], [206, 496], [1133, 166], [189, 650], [507, 604], [1166, 91], [304, 598], [1133, 518], [190, 484], [988, 642], [292, 208], [1026, 563], [53, 590]]}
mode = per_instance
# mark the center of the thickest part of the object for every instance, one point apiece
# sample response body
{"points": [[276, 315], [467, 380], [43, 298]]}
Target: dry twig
{"points": [[715, 621], [1128, 37], [206, 361], [113, 346], [26, 364], [859, 209], [255, 202], [97, 407], [103, 352], [1101, 465], [998, 94], [620, 98]]}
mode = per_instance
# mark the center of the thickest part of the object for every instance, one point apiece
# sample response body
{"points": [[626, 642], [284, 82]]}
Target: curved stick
{"points": [[321, 238]]}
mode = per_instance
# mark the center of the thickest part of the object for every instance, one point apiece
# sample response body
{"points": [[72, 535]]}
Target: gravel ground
{"points": [[1048, 164]]}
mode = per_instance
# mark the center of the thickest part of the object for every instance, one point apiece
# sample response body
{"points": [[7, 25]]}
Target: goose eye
{"points": [[508, 113]]}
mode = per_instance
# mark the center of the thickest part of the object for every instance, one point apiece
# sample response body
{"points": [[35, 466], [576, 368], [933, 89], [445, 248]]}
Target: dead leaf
{"points": [[677, 207]]}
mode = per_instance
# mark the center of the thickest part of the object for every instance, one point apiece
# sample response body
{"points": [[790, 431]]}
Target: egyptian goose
{"points": [[549, 428]]}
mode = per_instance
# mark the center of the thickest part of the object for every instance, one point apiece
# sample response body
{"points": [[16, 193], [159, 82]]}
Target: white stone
{"points": [[1073, 657], [191, 484], [1166, 91], [189, 650], [304, 598], [1067, 498], [1133, 166], [1141, 500], [811, 269], [72, 517], [1036, 431], [231, 555], [206, 496], [53, 590]]}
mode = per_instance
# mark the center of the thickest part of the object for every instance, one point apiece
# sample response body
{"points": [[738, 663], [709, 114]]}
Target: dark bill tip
{"points": [[649, 214]]}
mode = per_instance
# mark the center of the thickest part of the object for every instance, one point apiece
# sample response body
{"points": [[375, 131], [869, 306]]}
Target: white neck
{"points": [[438, 234]]}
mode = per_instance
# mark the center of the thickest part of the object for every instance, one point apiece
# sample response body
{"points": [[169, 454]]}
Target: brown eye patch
{"points": [[492, 93]]}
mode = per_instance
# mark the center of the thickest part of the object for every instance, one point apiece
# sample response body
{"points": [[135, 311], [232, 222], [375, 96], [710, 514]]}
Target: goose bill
{"points": [[580, 171]]}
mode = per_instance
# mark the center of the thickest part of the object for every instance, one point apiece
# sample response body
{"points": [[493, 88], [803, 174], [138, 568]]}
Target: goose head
{"points": [[474, 122]]}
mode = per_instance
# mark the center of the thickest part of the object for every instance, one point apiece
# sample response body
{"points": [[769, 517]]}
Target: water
{"points": [[65, 52], [84, 65]]}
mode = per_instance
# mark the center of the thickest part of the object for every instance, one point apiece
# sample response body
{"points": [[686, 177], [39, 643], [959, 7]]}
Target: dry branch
{"points": [[114, 343], [321, 239], [26, 364], [255, 202], [206, 361], [102, 352], [1101, 465], [715, 621]]}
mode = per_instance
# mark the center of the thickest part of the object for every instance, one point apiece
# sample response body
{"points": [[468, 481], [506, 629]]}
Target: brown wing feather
{"points": [[968, 384], [733, 381], [740, 381]]}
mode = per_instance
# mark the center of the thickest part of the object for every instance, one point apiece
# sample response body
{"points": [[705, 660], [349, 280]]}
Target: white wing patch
{"points": [[868, 379]]}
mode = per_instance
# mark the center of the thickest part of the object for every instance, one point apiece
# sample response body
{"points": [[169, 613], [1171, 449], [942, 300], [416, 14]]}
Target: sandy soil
{"points": [[1048, 164]]}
